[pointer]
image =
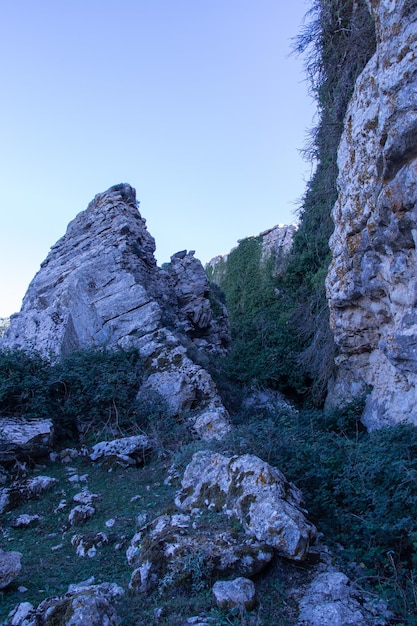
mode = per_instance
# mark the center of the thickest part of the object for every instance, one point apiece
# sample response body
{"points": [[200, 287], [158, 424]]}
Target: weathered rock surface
{"points": [[100, 287], [127, 450], [20, 438], [9, 567], [372, 281], [86, 545], [253, 492], [13, 496], [330, 599], [239, 592], [80, 514], [276, 244], [83, 604], [176, 550], [4, 324]]}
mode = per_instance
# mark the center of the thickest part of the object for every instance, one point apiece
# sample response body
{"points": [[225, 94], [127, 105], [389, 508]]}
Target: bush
{"points": [[90, 391], [360, 490], [23, 384]]}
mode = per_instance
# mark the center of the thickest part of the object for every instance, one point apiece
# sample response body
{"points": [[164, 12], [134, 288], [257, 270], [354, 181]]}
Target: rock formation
{"points": [[275, 243], [253, 492], [372, 281], [100, 286]]}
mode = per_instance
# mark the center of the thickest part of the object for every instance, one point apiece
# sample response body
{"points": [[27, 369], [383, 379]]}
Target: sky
{"points": [[197, 104]]}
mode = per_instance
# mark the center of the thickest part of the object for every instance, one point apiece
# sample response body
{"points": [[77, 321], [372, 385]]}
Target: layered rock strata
{"points": [[100, 286], [372, 281]]}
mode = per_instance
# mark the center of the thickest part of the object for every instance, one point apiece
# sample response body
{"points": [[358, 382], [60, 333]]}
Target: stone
{"points": [[127, 450], [100, 287], [19, 492], [330, 599], [80, 514], [82, 604], [25, 520], [239, 592], [10, 567], [25, 439], [19, 614], [183, 550], [85, 497], [372, 279], [253, 492], [86, 545]]}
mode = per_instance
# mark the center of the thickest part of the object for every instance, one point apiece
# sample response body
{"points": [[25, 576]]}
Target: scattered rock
{"points": [[330, 599], [183, 550], [255, 493], [10, 567], [239, 592], [11, 497], [87, 544], [25, 520], [23, 439], [83, 604], [126, 450], [85, 497], [80, 514], [18, 616]]}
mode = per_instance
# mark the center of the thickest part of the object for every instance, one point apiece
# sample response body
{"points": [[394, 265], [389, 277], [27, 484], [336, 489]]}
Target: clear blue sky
{"points": [[195, 103]]}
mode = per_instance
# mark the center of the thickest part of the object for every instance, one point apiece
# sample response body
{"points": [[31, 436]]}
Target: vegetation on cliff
{"points": [[280, 326]]}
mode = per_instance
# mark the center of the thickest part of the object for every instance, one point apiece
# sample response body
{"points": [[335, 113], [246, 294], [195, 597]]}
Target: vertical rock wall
{"points": [[372, 281]]}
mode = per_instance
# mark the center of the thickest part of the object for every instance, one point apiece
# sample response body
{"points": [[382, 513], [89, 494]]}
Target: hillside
{"points": [[235, 446]]}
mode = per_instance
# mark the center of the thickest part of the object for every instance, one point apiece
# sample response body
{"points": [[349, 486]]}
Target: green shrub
{"points": [[90, 391], [360, 490], [23, 384]]}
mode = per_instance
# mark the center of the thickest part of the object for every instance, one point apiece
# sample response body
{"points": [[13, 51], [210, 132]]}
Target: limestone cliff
{"points": [[100, 286], [372, 281], [275, 244]]}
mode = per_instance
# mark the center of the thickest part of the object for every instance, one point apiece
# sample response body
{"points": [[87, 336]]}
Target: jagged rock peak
{"points": [[100, 286], [372, 282]]}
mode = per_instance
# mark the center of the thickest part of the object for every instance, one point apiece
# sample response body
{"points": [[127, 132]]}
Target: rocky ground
{"points": [[118, 533]]}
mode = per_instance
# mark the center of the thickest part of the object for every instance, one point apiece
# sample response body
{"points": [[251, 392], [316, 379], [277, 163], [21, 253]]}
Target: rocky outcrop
{"points": [[256, 494], [19, 492], [182, 550], [23, 439], [332, 599], [100, 287], [83, 604], [372, 281], [275, 243]]}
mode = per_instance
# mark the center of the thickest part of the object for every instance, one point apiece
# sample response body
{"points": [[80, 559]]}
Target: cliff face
{"points": [[100, 287], [372, 281], [275, 244]]}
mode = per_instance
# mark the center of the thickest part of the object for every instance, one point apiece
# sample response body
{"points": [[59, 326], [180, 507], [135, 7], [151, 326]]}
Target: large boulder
{"points": [[83, 604], [10, 567], [23, 491], [25, 439], [268, 507], [332, 599], [372, 281], [183, 551], [100, 286]]}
